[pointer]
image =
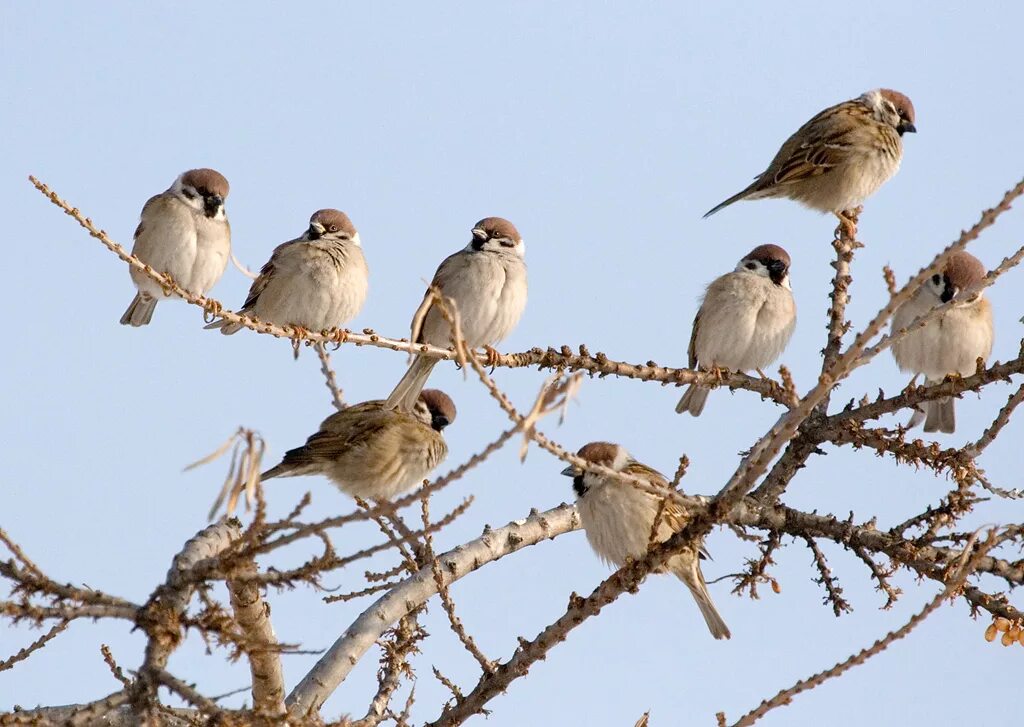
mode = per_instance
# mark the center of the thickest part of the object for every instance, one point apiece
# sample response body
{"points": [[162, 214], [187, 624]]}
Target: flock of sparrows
{"points": [[379, 449]]}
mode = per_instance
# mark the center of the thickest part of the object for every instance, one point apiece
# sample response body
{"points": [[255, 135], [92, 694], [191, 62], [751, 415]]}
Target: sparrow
{"points": [[372, 452], [183, 232], [840, 157], [618, 519], [315, 282], [744, 322], [487, 281], [950, 344]]}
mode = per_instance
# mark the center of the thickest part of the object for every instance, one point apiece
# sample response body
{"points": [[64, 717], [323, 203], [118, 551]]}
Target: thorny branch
{"points": [[956, 581], [924, 544]]}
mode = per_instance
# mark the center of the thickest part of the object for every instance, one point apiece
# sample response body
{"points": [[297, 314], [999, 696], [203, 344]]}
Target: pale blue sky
{"points": [[603, 131]]}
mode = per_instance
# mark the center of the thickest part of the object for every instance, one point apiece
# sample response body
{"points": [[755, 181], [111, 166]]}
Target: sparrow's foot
{"points": [[297, 342], [493, 358], [718, 373]]}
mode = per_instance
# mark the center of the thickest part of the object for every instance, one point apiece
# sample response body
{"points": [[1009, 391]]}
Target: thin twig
{"points": [[330, 380], [785, 696], [36, 645], [446, 599]]}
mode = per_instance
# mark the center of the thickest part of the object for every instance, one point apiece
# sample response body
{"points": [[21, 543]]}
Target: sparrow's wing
{"points": [[151, 206], [692, 350], [341, 421], [819, 145], [643, 472], [673, 517], [266, 273], [416, 329], [448, 269], [166, 230], [329, 444]]}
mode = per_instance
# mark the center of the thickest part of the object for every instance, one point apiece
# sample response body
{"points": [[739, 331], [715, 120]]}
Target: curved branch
{"points": [[563, 359], [162, 616], [335, 665]]}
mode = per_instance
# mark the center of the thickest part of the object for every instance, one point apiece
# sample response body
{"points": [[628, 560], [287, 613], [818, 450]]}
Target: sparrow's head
{"points": [[204, 190], [893, 108], [769, 261], [497, 234], [332, 225], [435, 408], [962, 271], [606, 454]]}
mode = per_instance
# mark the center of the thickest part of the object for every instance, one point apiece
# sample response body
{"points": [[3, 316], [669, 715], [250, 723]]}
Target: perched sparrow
{"points": [[372, 452], [840, 157], [949, 344], [745, 320], [184, 232], [316, 281], [487, 281], [618, 518]]}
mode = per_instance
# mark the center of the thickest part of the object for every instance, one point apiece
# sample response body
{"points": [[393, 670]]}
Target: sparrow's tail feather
{"points": [[285, 469], [695, 582], [226, 328], [140, 312], [693, 400], [940, 415], [407, 392], [735, 198]]}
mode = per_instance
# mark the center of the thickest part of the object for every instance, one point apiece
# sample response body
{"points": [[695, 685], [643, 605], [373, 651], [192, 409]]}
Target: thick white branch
{"points": [[335, 665]]}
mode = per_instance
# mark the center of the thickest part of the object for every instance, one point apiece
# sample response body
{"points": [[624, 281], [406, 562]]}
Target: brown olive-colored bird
{"points": [[840, 157], [372, 452]]}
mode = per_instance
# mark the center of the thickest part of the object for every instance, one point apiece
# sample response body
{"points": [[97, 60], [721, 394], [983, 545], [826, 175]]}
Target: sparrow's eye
{"points": [[333, 228], [751, 266], [936, 279]]}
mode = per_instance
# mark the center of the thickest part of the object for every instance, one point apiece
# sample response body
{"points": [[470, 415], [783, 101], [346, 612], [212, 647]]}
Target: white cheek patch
{"points": [[356, 241], [759, 269], [874, 99], [621, 459]]}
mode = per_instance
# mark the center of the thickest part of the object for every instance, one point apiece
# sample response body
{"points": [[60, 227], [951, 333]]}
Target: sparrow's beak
{"points": [[908, 128], [570, 471], [479, 238], [316, 230], [439, 422]]}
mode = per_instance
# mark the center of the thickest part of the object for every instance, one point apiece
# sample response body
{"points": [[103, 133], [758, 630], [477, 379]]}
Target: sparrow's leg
{"points": [[761, 373], [848, 221], [911, 385], [718, 373]]}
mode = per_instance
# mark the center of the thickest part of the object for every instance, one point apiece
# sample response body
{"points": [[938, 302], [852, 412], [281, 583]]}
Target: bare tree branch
{"points": [[336, 664]]}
